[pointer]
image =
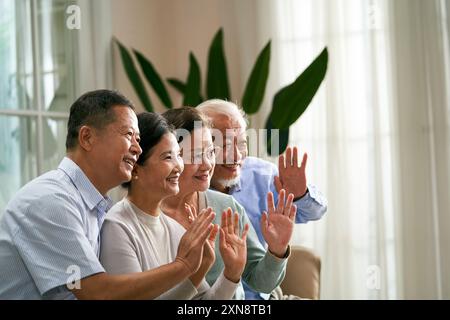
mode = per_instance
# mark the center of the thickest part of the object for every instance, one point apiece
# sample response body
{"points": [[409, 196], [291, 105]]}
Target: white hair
{"points": [[229, 183], [230, 109]]}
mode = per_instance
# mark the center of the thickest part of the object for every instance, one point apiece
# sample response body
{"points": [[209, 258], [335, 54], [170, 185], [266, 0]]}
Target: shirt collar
{"points": [[91, 196], [144, 217]]}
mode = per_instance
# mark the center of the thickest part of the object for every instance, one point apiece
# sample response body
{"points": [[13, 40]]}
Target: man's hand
{"points": [[278, 226], [190, 249], [232, 247], [292, 177]]}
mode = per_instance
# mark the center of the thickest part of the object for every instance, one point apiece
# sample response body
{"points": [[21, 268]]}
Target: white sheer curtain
{"points": [[378, 139]]}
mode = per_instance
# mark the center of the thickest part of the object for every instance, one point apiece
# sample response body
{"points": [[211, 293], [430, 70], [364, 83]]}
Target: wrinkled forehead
{"points": [[228, 135], [125, 117], [223, 122], [225, 129]]}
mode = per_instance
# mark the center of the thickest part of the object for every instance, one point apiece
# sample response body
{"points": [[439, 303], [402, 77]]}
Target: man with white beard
{"points": [[249, 179]]}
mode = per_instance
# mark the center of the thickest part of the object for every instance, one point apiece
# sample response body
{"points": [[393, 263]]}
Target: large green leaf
{"points": [[153, 79], [217, 86], [256, 84], [291, 101], [134, 77], [283, 139], [178, 85], [193, 83]]}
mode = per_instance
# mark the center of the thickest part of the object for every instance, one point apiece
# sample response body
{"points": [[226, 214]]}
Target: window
{"points": [[345, 130], [377, 139], [37, 86]]}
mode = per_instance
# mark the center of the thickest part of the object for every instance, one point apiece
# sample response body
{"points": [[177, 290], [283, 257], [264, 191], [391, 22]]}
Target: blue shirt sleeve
{"points": [[312, 206], [52, 243]]}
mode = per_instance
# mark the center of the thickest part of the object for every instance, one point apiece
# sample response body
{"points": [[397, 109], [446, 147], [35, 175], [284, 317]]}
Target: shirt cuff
{"points": [[286, 255], [228, 285], [222, 289], [304, 195], [303, 199], [313, 194], [183, 291]]}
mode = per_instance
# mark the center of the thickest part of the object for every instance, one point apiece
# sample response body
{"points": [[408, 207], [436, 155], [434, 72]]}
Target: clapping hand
{"points": [[190, 249], [208, 256], [233, 247]]}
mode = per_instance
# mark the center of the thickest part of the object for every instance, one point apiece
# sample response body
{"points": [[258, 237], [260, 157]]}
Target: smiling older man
{"points": [[249, 179], [50, 231]]}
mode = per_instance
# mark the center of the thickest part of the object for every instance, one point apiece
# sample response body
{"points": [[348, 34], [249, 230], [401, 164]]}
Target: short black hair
{"points": [[94, 108], [152, 127], [185, 118]]}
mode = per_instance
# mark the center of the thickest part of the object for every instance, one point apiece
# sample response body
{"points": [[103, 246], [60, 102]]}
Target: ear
{"points": [[86, 137], [135, 172]]}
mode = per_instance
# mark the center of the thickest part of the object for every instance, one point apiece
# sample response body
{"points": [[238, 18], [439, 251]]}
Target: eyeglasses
{"points": [[228, 146], [209, 153]]}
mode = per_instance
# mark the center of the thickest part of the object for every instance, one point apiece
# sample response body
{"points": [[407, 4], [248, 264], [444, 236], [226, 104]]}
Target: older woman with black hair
{"points": [[137, 236], [263, 270]]}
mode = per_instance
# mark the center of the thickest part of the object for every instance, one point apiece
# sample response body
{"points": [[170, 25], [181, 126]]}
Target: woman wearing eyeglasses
{"points": [[263, 270], [137, 236]]}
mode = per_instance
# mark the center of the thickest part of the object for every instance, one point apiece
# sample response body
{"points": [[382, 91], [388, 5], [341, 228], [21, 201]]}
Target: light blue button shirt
{"points": [[256, 181], [50, 235]]}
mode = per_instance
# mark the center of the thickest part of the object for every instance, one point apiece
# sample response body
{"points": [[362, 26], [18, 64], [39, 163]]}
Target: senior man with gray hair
{"points": [[249, 179]]}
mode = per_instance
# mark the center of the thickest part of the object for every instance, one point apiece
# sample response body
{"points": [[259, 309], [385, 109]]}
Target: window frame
{"points": [[39, 114]]}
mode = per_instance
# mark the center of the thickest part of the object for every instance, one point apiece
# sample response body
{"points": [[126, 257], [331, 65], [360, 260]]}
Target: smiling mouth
{"points": [[173, 180], [130, 162], [202, 177]]}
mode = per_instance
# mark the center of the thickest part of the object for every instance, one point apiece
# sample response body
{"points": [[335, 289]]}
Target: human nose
{"points": [[230, 153], [179, 164], [237, 153], [208, 161], [135, 147]]}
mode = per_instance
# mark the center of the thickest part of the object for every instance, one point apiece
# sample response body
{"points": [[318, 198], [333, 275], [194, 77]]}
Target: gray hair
{"points": [[230, 109]]}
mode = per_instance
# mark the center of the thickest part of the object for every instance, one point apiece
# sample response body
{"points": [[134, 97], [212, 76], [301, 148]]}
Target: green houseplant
{"points": [[288, 104]]}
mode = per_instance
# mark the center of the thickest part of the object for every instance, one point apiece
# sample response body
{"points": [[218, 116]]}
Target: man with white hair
{"points": [[249, 179]]}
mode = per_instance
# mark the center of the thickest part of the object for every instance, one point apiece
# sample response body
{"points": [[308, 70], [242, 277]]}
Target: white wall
{"points": [[165, 32]]}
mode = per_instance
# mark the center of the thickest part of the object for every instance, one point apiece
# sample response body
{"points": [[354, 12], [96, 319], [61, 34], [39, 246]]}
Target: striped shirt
{"points": [[49, 235]]}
